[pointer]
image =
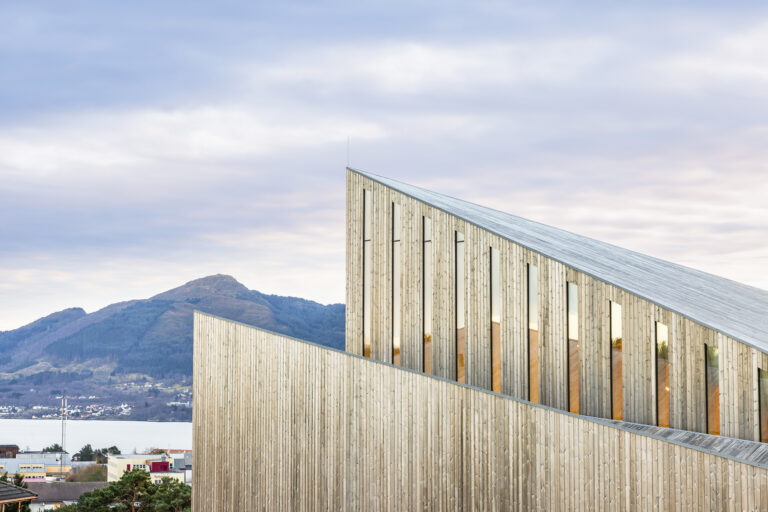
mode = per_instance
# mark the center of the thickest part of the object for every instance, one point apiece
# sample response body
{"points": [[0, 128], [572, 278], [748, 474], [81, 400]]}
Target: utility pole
{"points": [[63, 434]]}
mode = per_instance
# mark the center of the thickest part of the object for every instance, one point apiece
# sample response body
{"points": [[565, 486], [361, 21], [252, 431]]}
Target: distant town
{"points": [[140, 400], [133, 360]]}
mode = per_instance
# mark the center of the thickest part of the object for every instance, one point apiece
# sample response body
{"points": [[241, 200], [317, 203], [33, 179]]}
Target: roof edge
{"points": [[623, 426], [378, 179]]}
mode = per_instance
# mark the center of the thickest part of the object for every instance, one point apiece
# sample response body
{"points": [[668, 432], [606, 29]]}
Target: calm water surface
{"points": [[126, 435]]}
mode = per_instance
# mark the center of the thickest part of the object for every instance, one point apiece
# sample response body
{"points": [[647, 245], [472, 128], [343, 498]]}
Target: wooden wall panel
{"points": [[281, 424], [738, 362], [514, 328], [412, 285], [354, 255]]}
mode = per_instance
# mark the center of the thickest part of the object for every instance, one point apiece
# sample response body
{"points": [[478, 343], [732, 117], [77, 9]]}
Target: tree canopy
{"points": [[85, 453], [135, 492], [88, 453]]}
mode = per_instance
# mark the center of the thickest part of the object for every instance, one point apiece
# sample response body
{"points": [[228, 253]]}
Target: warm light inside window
{"points": [[396, 277], [713, 389], [533, 333], [662, 374], [617, 391], [573, 348], [495, 321], [367, 272], [461, 334]]}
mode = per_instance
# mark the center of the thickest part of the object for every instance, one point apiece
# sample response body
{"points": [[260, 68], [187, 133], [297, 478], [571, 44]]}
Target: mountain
{"points": [[153, 337], [39, 328]]}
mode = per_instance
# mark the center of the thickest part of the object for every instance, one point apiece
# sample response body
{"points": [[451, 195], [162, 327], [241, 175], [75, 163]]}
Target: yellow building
{"points": [[53, 470], [32, 471], [119, 464], [41, 465], [35, 470], [158, 476]]}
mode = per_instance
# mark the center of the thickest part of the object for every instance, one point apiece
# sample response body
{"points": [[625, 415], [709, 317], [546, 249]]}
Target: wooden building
{"points": [[282, 424], [14, 497], [492, 363], [472, 294]]}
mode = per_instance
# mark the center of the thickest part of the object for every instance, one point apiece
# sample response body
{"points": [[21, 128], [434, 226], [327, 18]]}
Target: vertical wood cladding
{"points": [[280, 424], [739, 405]]}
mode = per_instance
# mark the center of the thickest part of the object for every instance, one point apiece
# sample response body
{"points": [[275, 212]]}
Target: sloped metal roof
{"points": [[742, 450], [732, 308]]}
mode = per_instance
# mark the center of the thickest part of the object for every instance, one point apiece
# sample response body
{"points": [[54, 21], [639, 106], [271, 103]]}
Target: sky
{"points": [[146, 144]]}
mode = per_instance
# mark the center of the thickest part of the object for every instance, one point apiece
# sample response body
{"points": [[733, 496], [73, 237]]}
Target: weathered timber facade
{"points": [[282, 424], [407, 418], [739, 362]]}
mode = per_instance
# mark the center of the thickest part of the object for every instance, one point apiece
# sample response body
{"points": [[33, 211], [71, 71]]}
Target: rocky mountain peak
{"points": [[220, 285]]}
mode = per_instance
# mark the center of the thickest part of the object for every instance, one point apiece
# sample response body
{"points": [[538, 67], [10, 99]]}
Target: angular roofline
{"points": [[753, 453], [405, 187]]}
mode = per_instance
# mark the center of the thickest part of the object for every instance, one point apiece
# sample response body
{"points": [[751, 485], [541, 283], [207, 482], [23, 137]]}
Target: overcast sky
{"points": [[144, 144]]}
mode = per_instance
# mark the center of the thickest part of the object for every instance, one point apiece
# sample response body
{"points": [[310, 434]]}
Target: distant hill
{"points": [[154, 336]]}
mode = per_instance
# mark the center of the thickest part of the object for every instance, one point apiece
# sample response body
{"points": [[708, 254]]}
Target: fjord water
{"points": [[126, 435]]}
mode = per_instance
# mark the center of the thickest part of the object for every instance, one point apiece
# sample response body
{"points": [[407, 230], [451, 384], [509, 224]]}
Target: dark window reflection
{"points": [[461, 334], [662, 374], [762, 384], [427, 293], [495, 321], [617, 395], [573, 348], [367, 272], [533, 333], [396, 271], [713, 389]]}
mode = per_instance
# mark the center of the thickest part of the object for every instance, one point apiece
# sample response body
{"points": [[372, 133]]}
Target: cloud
{"points": [[733, 60], [417, 67], [108, 142], [140, 154]]}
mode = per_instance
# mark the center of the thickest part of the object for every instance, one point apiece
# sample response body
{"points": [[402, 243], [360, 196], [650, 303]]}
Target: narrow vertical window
{"points": [[495, 321], [396, 271], [367, 272], [533, 333], [662, 375], [713, 390], [617, 394], [762, 387], [573, 348], [427, 293], [461, 324]]}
